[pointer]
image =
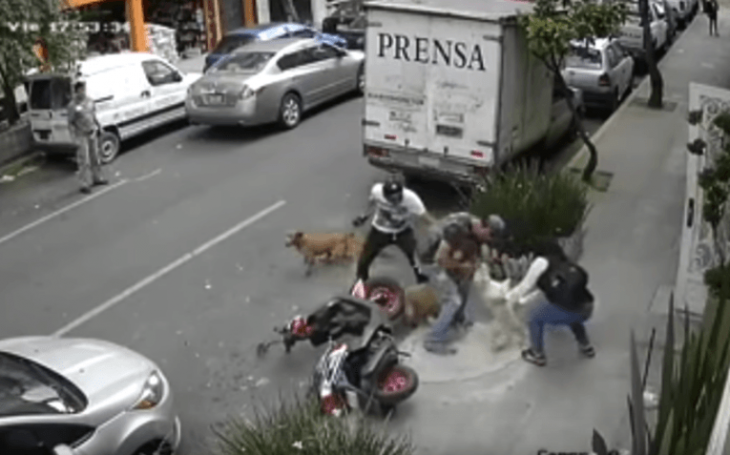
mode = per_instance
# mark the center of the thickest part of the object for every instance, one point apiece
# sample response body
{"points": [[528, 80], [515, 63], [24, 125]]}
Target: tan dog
{"points": [[324, 247], [509, 326], [422, 302]]}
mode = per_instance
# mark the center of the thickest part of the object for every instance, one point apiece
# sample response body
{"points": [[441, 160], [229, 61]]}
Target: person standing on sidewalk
{"points": [[85, 129], [458, 257], [395, 208], [567, 300], [711, 7]]}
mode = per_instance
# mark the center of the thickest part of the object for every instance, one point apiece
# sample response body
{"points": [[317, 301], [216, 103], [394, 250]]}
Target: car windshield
{"points": [[27, 388], [582, 57], [247, 62], [231, 42]]}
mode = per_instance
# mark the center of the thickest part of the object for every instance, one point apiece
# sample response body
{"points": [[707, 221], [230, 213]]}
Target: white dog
{"points": [[509, 326]]}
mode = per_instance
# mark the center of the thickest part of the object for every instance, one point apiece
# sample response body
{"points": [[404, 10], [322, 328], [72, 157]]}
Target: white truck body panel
{"points": [[451, 94]]}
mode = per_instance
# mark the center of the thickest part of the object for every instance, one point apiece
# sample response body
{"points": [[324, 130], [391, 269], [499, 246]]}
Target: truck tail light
{"points": [[376, 152], [390, 137], [604, 80], [477, 154]]}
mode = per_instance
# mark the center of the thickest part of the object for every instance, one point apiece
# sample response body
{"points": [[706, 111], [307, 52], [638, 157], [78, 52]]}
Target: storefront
{"points": [[197, 24]]}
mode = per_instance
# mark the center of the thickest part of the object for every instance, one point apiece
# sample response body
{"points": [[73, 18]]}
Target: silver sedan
{"points": [[82, 397], [274, 81]]}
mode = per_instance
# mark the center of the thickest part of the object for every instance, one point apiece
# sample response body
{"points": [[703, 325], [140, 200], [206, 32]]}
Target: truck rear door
{"points": [[432, 85], [47, 105]]}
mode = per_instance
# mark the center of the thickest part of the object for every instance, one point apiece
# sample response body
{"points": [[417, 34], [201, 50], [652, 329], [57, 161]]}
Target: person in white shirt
{"points": [[395, 209]]}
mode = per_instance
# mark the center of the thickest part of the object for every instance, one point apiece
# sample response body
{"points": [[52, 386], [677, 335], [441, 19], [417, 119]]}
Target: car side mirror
{"points": [[177, 77], [63, 450]]}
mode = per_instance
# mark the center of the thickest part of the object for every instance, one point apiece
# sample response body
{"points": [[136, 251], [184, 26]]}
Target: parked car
{"points": [[267, 32], [632, 34], [134, 93], [83, 396], [602, 70], [683, 11], [274, 81], [670, 15], [346, 18]]}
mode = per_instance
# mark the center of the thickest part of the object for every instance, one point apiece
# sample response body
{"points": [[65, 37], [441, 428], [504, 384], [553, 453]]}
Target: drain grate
{"points": [[669, 106]]}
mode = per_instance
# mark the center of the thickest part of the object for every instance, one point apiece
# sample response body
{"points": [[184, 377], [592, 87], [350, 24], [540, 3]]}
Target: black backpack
{"points": [[565, 284]]}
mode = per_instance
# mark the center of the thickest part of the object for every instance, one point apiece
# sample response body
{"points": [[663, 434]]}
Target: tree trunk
{"points": [[656, 99], [578, 125], [10, 105]]}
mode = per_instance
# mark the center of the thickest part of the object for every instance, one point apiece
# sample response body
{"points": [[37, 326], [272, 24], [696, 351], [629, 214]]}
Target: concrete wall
{"points": [[15, 142]]}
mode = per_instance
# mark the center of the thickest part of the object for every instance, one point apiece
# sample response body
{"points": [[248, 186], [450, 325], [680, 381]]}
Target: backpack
{"points": [[565, 284]]}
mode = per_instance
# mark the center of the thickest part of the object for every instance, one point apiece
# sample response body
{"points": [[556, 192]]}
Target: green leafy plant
{"points": [[299, 427], [542, 206], [551, 28], [714, 181], [692, 386], [65, 45]]}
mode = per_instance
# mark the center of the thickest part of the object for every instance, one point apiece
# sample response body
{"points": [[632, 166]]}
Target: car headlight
{"points": [[246, 93], [152, 393]]}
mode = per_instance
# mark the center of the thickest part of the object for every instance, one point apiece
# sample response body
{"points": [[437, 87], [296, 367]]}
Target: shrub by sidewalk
{"points": [[299, 427]]}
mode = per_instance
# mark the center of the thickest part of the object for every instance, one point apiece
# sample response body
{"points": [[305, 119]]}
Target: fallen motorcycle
{"points": [[369, 378], [342, 315]]}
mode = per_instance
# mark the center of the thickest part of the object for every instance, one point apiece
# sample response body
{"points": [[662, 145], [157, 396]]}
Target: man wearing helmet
{"points": [[395, 208]]}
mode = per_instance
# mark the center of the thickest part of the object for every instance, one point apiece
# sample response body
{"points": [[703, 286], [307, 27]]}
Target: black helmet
{"points": [[393, 191]]}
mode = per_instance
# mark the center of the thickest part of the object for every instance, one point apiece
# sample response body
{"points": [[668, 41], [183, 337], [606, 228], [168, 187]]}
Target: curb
{"points": [[20, 162], [578, 160]]}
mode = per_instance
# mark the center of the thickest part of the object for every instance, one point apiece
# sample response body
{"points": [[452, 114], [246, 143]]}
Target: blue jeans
{"points": [[454, 297], [547, 313]]}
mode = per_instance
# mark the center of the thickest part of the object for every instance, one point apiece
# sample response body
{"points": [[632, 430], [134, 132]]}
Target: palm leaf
{"points": [[637, 394]]}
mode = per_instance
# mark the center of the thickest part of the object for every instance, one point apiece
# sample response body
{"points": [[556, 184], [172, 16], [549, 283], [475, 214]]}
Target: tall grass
{"points": [[536, 205], [298, 427]]}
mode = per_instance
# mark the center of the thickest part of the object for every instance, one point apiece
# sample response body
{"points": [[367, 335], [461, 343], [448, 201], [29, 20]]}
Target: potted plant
{"points": [[536, 206], [299, 427]]}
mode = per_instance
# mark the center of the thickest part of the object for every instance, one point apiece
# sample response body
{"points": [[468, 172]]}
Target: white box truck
{"points": [[452, 89]]}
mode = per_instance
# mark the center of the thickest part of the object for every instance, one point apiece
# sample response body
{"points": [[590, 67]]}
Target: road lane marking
{"points": [[61, 211], [147, 176], [86, 317]]}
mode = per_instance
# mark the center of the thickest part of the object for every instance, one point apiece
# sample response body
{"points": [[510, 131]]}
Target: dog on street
{"points": [[324, 247], [509, 327], [421, 303]]}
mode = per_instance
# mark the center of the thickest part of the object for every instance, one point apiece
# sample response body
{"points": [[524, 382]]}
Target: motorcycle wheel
{"points": [[387, 294], [396, 384]]}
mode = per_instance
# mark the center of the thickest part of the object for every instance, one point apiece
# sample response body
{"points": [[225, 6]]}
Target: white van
{"points": [[134, 92]]}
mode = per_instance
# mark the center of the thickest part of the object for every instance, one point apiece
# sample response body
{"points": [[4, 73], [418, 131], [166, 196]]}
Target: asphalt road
{"points": [[183, 259]]}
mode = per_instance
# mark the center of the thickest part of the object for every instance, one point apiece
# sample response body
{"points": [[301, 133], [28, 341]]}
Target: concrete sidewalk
{"points": [[479, 403]]}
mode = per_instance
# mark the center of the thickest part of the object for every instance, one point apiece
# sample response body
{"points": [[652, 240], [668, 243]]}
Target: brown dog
{"points": [[324, 247], [421, 302]]}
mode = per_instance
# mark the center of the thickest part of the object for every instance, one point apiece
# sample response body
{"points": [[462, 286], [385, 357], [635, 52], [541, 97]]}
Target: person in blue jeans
{"points": [[567, 300]]}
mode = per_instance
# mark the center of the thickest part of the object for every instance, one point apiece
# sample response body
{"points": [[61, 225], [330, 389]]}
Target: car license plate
{"points": [[429, 161], [215, 99]]}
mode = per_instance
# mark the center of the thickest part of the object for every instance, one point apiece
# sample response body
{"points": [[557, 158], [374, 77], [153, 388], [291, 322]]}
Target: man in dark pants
{"points": [[395, 208], [711, 7], [85, 129]]}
